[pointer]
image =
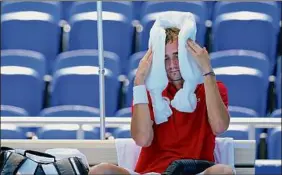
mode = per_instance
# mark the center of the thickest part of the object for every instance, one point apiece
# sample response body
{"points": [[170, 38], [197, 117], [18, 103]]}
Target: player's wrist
{"points": [[209, 73], [139, 81], [207, 69], [140, 95]]}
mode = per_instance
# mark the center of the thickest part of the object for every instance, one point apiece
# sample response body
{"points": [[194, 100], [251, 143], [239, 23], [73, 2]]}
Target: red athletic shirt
{"points": [[183, 136]]}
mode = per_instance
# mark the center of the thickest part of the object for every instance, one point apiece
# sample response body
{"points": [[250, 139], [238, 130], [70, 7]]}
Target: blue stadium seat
{"points": [[65, 131], [122, 132], [135, 59], [210, 7], [241, 71], [78, 84], [260, 31], [241, 112], [29, 59], [133, 65], [237, 111], [278, 83], [70, 111], [270, 8], [39, 27], [276, 113], [137, 6], [25, 58], [236, 132], [152, 9], [117, 28], [65, 9], [10, 131], [86, 57], [22, 87], [124, 112], [263, 167], [13, 111], [8, 110], [274, 144]]}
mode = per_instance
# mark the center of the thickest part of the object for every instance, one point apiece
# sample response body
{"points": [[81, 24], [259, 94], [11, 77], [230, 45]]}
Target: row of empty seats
{"points": [[69, 131], [238, 132], [76, 80], [137, 8], [40, 29]]}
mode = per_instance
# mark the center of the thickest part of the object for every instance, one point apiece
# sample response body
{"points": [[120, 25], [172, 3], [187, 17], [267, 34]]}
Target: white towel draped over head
{"points": [[185, 99]]}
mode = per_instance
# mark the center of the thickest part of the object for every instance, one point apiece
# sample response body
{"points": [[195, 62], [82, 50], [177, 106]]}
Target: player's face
{"points": [[171, 61]]}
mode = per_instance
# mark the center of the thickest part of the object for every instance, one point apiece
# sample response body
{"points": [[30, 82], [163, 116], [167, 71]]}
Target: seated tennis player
{"points": [[165, 128]]}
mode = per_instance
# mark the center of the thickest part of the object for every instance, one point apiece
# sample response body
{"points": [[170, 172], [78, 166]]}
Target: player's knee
{"points": [[219, 169], [228, 170], [102, 168]]}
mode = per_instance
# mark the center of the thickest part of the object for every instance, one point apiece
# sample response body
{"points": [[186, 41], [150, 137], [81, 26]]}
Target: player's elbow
{"points": [[221, 125], [143, 139], [219, 131]]}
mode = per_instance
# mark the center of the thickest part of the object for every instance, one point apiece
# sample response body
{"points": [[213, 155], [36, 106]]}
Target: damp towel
{"points": [[185, 99]]}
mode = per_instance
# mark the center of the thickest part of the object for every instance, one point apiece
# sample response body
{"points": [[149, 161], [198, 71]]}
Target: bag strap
{"points": [[25, 152], [5, 148], [41, 154]]}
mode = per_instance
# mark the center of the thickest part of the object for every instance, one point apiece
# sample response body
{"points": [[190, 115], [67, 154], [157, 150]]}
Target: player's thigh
{"points": [[107, 168], [219, 169]]}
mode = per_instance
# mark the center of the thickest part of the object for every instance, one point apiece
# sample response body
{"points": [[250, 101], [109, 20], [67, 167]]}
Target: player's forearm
{"points": [[141, 125], [217, 112]]}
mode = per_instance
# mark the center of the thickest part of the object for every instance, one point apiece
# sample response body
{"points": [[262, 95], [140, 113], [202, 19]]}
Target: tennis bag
{"points": [[187, 167], [21, 162]]}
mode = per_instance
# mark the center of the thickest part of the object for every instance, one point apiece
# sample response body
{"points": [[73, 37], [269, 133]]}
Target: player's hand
{"points": [[143, 68], [200, 54]]}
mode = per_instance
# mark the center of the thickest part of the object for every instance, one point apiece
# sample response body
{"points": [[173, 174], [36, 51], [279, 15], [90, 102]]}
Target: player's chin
{"points": [[175, 78]]}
